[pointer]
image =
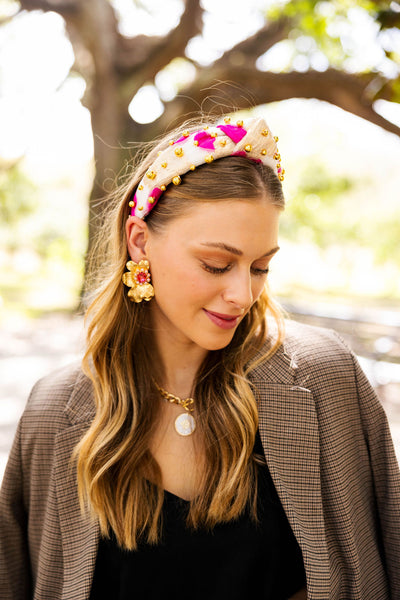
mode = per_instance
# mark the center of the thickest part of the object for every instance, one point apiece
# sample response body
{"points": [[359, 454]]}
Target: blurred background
{"points": [[83, 81]]}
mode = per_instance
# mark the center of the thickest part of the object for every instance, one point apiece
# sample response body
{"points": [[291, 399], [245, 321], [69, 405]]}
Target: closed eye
{"points": [[221, 270], [261, 271], [216, 270]]}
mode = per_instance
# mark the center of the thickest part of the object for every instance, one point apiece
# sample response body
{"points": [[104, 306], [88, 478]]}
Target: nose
{"points": [[238, 291]]}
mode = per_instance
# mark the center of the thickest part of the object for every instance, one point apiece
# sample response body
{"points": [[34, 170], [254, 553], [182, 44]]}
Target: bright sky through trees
{"points": [[29, 74], [42, 118]]}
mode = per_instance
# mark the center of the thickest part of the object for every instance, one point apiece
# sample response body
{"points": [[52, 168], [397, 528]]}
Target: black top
{"points": [[236, 560]]}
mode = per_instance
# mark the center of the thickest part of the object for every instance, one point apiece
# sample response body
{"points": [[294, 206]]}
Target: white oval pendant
{"points": [[185, 424]]}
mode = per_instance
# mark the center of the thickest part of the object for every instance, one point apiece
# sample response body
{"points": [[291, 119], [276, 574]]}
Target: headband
{"points": [[251, 138]]}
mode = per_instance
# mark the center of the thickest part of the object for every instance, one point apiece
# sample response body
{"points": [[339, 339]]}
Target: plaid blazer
{"points": [[327, 444]]}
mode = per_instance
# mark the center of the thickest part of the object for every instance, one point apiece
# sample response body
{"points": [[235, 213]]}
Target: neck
{"points": [[180, 360], [181, 364]]}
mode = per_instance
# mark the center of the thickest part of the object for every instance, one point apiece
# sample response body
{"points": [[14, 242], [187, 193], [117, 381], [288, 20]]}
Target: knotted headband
{"points": [[251, 138]]}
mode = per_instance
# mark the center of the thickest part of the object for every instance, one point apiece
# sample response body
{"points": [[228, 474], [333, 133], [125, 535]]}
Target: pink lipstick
{"points": [[223, 321]]}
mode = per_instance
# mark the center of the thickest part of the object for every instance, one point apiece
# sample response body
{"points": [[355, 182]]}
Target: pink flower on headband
{"points": [[234, 132], [181, 140], [153, 198], [205, 140], [243, 153]]}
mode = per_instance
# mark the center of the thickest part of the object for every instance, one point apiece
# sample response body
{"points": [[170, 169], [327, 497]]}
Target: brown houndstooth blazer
{"points": [[327, 444]]}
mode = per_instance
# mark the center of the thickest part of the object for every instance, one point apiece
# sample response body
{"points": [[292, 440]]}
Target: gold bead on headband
{"points": [[250, 138]]}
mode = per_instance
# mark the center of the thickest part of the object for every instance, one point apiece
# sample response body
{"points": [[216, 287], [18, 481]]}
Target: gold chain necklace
{"points": [[184, 423]]}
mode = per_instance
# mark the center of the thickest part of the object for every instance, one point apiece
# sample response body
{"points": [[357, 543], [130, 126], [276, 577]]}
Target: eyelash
{"points": [[221, 270]]}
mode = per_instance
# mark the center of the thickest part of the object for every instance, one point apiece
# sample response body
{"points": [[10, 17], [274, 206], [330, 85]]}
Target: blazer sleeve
{"points": [[386, 475], [15, 568]]}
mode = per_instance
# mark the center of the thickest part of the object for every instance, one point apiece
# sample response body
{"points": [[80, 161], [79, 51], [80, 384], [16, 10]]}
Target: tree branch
{"points": [[245, 51], [347, 91], [388, 19], [147, 55], [253, 47], [62, 7]]}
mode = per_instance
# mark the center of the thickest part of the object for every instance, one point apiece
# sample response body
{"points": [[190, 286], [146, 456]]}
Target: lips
{"points": [[222, 320]]}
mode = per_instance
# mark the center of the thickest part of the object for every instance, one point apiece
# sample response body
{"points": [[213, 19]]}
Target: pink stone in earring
{"points": [[142, 277]]}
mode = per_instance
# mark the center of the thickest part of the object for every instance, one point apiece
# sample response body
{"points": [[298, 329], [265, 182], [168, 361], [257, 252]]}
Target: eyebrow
{"points": [[236, 251]]}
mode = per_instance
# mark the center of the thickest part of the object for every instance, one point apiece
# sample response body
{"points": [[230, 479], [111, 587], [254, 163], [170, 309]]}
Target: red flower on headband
{"points": [[234, 132], [245, 155], [153, 197], [205, 140], [181, 140]]}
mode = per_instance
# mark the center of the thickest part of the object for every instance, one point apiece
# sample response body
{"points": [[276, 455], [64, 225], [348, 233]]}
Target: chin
{"points": [[212, 345]]}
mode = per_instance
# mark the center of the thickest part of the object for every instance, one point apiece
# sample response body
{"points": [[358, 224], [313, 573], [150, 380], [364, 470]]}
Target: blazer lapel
{"points": [[79, 533], [289, 432]]}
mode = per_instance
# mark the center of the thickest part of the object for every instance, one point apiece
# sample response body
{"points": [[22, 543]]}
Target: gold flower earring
{"points": [[138, 279]]}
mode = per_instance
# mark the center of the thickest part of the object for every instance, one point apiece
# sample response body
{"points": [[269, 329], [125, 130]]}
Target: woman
{"points": [[202, 451]]}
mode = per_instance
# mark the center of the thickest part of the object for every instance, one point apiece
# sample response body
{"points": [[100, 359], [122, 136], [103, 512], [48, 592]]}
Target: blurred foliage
{"points": [[18, 196], [8, 8], [382, 234], [329, 29], [324, 212], [313, 214], [41, 254]]}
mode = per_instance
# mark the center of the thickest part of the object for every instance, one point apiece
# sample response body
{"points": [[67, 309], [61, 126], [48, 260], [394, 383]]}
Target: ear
{"points": [[136, 237]]}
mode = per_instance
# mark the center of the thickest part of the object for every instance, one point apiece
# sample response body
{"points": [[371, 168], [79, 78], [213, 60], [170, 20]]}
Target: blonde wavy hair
{"points": [[119, 480]]}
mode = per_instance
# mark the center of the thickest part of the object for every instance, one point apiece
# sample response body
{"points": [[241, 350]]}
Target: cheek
{"points": [[166, 270], [258, 287], [182, 280], [197, 287]]}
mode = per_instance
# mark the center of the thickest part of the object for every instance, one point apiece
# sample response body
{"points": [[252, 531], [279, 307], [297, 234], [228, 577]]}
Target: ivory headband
{"points": [[251, 138]]}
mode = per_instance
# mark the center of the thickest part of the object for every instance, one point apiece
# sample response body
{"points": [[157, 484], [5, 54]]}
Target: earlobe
{"points": [[136, 238]]}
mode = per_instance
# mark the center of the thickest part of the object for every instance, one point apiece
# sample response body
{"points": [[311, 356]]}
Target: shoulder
{"points": [[44, 429], [306, 352], [315, 344], [53, 397], [316, 361]]}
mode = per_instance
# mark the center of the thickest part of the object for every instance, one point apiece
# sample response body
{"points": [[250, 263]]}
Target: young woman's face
{"points": [[209, 267]]}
